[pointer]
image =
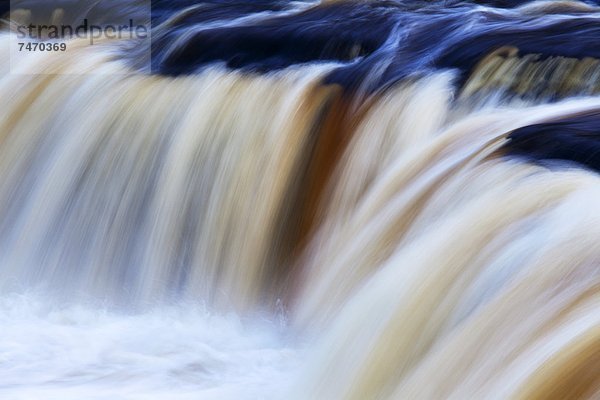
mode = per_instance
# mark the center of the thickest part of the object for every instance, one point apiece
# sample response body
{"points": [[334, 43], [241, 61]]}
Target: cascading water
{"points": [[334, 200]]}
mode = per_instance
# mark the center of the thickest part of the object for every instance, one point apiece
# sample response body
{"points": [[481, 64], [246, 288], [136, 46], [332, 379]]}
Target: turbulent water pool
{"points": [[171, 352]]}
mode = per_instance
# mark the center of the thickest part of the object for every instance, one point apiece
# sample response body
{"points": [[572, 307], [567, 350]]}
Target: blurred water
{"points": [[412, 182], [172, 352]]}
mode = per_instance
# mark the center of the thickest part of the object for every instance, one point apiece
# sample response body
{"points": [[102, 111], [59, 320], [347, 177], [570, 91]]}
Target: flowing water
{"points": [[335, 200]]}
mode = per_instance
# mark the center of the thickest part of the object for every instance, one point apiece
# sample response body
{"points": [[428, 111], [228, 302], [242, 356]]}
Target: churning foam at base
{"points": [[171, 352]]}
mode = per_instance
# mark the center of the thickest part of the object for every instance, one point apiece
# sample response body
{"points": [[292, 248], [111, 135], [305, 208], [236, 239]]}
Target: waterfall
{"points": [[307, 200]]}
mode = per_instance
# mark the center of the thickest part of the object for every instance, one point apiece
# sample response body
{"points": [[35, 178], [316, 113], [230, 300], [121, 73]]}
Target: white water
{"points": [[176, 352]]}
